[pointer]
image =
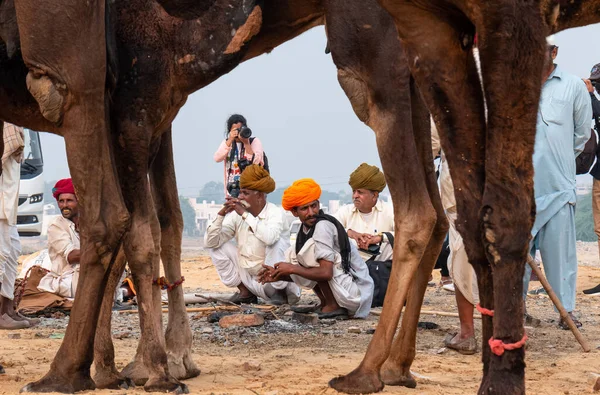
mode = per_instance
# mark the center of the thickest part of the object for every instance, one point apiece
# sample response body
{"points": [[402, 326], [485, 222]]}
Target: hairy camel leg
{"points": [[508, 207], [142, 248], [453, 93], [74, 97], [178, 335], [106, 374], [386, 108], [396, 370]]}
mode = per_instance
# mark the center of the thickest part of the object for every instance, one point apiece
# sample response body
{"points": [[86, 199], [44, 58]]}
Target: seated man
{"points": [[368, 217], [262, 235], [323, 258], [63, 243]]}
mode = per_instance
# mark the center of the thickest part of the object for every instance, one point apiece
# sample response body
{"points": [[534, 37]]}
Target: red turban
{"points": [[63, 186], [301, 192]]}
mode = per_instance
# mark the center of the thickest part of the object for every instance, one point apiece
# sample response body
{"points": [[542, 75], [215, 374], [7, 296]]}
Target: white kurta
{"points": [[10, 246], [352, 291], [380, 220], [258, 240], [62, 240]]}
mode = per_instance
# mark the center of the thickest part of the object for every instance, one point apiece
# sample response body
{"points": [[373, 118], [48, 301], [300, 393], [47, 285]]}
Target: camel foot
{"points": [[182, 368], [53, 382], [112, 381], [391, 375], [501, 383], [166, 384], [357, 382], [136, 372]]}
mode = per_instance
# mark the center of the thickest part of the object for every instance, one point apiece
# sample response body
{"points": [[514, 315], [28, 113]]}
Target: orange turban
{"points": [[256, 178], [301, 192]]}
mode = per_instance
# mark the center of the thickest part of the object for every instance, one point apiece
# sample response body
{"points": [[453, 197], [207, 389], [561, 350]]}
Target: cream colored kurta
{"points": [[380, 220], [62, 240], [11, 172], [461, 271]]}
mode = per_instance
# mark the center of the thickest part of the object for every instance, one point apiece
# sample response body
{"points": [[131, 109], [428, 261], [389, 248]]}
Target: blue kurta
{"points": [[563, 128]]}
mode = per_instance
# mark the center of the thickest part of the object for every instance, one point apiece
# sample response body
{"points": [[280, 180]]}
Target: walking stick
{"points": [[561, 310]]}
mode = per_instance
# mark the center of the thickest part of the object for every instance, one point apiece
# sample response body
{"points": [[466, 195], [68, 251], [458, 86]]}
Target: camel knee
{"points": [[49, 94], [357, 91]]}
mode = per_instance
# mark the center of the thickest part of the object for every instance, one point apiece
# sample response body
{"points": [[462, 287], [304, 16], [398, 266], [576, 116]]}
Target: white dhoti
{"points": [[10, 249], [225, 259], [345, 290], [462, 273], [64, 284]]}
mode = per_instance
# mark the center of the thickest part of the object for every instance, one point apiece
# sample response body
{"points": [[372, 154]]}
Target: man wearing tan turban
{"points": [[261, 238], [323, 258], [368, 217]]}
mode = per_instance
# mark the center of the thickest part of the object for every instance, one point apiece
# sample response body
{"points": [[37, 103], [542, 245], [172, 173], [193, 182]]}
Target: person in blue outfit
{"points": [[563, 128]]}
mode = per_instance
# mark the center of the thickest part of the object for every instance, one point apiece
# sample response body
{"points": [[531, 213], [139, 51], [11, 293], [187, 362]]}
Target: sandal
{"points": [[305, 309], [564, 326], [339, 314], [237, 299], [466, 346]]}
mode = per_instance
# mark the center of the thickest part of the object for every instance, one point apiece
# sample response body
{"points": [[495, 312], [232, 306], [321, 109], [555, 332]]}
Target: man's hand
{"points": [[280, 270], [265, 275], [589, 85], [228, 207]]}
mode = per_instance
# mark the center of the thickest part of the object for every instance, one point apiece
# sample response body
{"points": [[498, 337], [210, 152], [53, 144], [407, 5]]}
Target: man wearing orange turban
{"points": [[323, 258], [261, 234]]}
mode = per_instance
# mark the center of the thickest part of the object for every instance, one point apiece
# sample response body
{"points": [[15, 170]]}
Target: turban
{"points": [[301, 192], [63, 186], [255, 177], [367, 177]]}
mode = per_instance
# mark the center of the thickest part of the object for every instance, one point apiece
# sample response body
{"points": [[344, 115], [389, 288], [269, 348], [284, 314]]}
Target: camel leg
{"points": [[508, 207], [74, 97], [396, 370], [451, 89], [142, 248], [178, 335], [106, 374], [386, 108]]}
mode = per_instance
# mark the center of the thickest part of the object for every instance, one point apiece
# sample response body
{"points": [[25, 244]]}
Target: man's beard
{"points": [[67, 213]]}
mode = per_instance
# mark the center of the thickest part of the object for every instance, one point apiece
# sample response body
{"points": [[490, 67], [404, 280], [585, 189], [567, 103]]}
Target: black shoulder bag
{"points": [[379, 270]]}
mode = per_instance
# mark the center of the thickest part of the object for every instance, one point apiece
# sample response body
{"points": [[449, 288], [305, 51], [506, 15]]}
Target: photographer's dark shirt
{"points": [[595, 172]]}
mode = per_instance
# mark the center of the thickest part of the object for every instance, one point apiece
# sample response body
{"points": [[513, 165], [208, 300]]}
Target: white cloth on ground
{"points": [[352, 291], [10, 249], [63, 238]]}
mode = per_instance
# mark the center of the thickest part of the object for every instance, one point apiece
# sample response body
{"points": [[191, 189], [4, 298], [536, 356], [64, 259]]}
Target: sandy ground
{"points": [[300, 359]]}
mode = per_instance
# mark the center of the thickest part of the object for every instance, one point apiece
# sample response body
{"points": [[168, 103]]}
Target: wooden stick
{"points": [[208, 309], [432, 312], [561, 310]]}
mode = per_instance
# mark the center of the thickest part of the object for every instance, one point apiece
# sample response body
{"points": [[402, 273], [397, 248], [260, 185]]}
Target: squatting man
{"points": [[261, 236], [323, 258]]}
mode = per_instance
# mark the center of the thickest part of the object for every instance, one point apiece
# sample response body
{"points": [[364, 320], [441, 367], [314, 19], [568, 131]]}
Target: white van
{"points": [[30, 214]]}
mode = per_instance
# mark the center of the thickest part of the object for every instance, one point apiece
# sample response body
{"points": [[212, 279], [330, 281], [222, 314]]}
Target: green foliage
{"points": [[189, 216], [212, 191], [584, 220]]}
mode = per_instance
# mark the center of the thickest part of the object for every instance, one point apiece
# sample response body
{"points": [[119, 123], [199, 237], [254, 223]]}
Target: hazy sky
{"points": [[293, 102]]}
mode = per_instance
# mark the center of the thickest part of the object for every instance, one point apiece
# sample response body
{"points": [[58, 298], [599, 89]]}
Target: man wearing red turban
{"points": [[63, 243], [323, 258]]}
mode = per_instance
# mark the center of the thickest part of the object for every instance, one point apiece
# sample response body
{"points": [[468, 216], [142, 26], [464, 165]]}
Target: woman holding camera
{"points": [[237, 151]]}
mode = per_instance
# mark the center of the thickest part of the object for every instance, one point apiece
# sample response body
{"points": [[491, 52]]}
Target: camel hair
{"points": [[144, 65]]}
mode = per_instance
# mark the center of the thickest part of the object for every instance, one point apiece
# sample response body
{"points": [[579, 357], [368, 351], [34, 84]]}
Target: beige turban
{"points": [[367, 177], [255, 177]]}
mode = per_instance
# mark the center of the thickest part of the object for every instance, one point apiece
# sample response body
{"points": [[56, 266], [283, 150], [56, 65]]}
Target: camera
{"points": [[233, 188], [245, 131], [243, 163]]}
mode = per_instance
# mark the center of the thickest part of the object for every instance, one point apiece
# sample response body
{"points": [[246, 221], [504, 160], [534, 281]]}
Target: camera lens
{"points": [[245, 132]]}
